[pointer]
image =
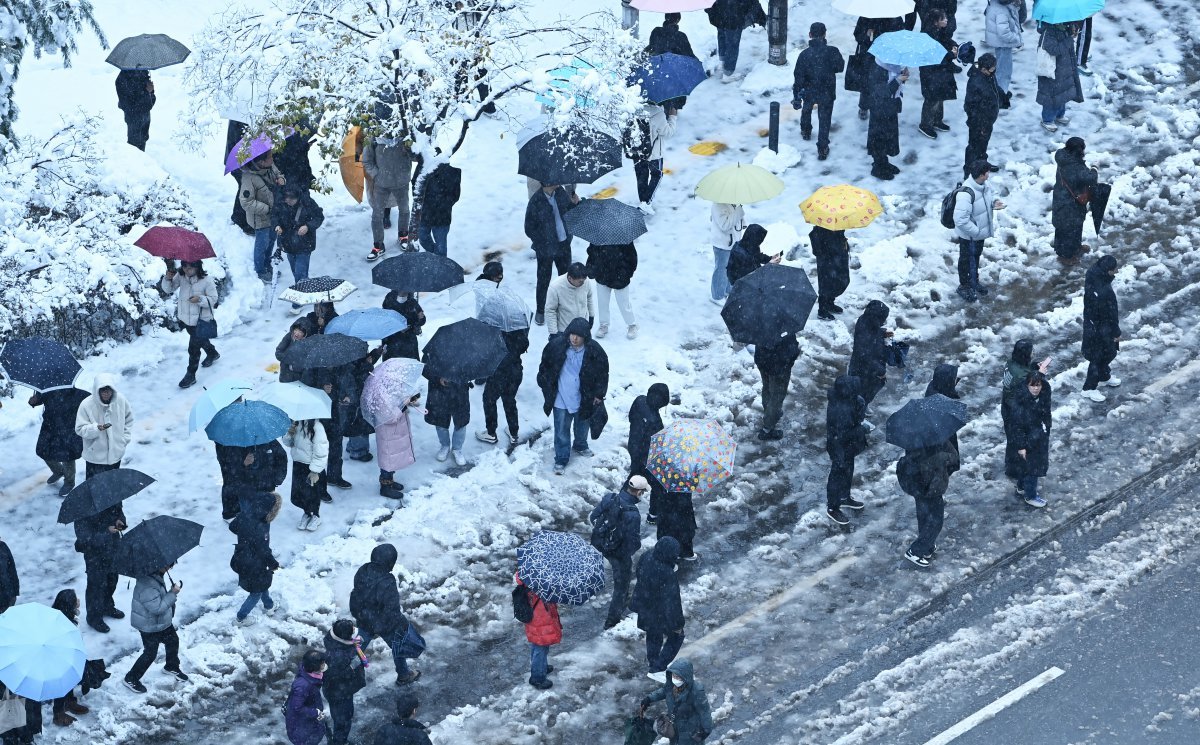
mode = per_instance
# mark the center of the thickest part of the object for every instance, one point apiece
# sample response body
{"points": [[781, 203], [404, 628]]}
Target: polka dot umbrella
{"points": [[841, 207], [560, 567], [691, 455]]}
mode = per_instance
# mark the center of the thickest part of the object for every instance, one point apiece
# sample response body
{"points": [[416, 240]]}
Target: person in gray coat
{"points": [[153, 615], [687, 703], [388, 164], [1002, 32], [1055, 93], [973, 224]]}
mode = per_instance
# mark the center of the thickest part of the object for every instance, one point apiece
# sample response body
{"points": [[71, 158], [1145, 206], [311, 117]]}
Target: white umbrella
{"points": [[298, 401], [875, 8]]}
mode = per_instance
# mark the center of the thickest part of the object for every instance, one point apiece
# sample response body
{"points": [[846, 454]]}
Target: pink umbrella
{"points": [[260, 145], [175, 243], [671, 6]]}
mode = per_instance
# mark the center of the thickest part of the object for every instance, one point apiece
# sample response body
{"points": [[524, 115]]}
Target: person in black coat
{"points": [[301, 328], [296, 218], [10, 583], [832, 252], [746, 254], [57, 445], [549, 237], [645, 420], [868, 359], [845, 438], [1072, 181], [925, 475], [375, 605], [945, 382], [439, 192], [293, 160], [814, 83], [339, 384], [357, 429], [730, 18], [883, 130], [624, 505], [252, 559], [233, 134], [503, 385], [1029, 435], [937, 81], [1101, 327], [321, 315], [982, 104], [612, 267], [657, 603], [449, 404], [404, 343], [866, 30], [344, 677], [245, 470], [774, 362], [98, 538], [404, 729], [668, 39], [926, 10], [135, 97], [572, 398]]}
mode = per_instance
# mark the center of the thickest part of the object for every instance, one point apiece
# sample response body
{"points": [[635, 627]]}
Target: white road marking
{"points": [[1172, 378], [996, 707]]}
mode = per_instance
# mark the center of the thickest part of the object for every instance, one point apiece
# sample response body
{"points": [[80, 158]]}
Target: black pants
{"points": [[622, 570], [871, 385], [837, 487], [969, 253], [341, 712], [137, 128], [150, 643], [1084, 42], [932, 113], [824, 119], [91, 469], [1068, 239], [238, 216], [229, 502], [677, 519], [1013, 463], [1098, 371], [307, 498], [334, 433], [502, 387], [195, 346], [98, 594], [648, 173], [978, 137], [931, 513], [774, 391], [558, 258]]}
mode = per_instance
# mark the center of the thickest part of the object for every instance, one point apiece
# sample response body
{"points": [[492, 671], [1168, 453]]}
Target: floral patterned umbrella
{"points": [[841, 207], [560, 567], [388, 388], [691, 455]]}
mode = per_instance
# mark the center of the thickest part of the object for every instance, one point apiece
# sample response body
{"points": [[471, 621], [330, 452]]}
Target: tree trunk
{"points": [[777, 31]]}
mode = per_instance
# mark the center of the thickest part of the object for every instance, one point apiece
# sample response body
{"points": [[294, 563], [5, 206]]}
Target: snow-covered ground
{"points": [[763, 532]]}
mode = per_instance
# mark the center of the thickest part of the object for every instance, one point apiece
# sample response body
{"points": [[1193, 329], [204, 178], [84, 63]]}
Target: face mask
{"points": [[678, 681]]}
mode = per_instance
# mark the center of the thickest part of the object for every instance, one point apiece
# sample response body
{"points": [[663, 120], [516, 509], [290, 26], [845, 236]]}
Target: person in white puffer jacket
{"points": [[728, 222], [105, 422], [196, 296], [310, 455], [973, 224]]}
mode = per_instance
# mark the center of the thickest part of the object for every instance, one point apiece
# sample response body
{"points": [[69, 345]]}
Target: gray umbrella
{"points": [[605, 222], [500, 307], [147, 52]]}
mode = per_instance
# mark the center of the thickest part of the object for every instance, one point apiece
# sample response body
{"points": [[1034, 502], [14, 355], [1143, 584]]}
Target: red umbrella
{"points": [[176, 243]]}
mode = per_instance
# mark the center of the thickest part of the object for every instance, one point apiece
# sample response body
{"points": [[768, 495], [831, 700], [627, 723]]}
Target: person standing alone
{"points": [[1101, 327], [135, 97], [973, 224]]}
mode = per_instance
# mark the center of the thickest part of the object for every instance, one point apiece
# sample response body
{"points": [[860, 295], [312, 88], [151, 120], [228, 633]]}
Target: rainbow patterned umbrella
{"points": [[691, 455], [841, 207]]}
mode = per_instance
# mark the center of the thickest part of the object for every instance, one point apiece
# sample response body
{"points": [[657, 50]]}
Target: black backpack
{"points": [[522, 607], [606, 529], [948, 205], [909, 476], [635, 140]]}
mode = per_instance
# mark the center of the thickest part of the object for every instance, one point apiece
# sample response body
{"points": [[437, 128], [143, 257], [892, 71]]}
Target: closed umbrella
{"points": [[41, 652], [924, 422], [243, 152], [842, 207], [100, 492], [501, 307], [155, 544], [1066, 11], [248, 423], [465, 350], [560, 568], [768, 303], [419, 271], [667, 76], [875, 8], [297, 400], [739, 184], [368, 324], [691, 455], [147, 52], [569, 156], [605, 222], [671, 6], [389, 386], [214, 398], [907, 48], [176, 243], [1099, 204], [324, 350], [39, 363], [318, 290]]}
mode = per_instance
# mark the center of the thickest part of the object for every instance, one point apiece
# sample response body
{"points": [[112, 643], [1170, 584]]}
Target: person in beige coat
{"points": [[105, 422], [570, 296], [196, 296], [256, 194]]}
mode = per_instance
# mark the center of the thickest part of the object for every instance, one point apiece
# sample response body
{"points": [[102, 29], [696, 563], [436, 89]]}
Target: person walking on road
{"points": [[974, 205], [105, 422], [925, 475], [774, 363], [449, 405], [252, 559], [728, 222], [569, 297], [573, 376], [832, 252], [296, 218], [730, 18], [260, 180], [387, 165], [617, 534], [404, 729], [1056, 91], [746, 255], [196, 296], [885, 88], [548, 237], [645, 420], [345, 676], [1018, 368], [1073, 186], [543, 631], [687, 704], [1002, 32], [866, 30], [612, 267], [98, 538], [1031, 420], [868, 358], [814, 85], [845, 438], [440, 191], [1101, 327], [654, 126], [135, 98], [153, 615], [937, 81], [375, 605], [310, 456], [658, 605]]}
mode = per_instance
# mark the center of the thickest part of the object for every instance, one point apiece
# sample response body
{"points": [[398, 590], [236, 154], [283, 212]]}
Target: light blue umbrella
{"points": [[368, 324], [41, 652], [907, 48], [1065, 11], [215, 397], [248, 423], [562, 81], [297, 400], [560, 567]]}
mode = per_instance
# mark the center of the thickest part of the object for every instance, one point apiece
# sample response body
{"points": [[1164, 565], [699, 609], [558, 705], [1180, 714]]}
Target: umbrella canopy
{"points": [[671, 6], [318, 290], [501, 307], [875, 8], [691, 455], [147, 52], [1065, 11], [560, 567], [739, 184], [39, 363], [908, 48], [41, 652], [350, 164], [571, 156], [215, 398], [924, 422], [248, 423], [324, 350], [176, 243], [1098, 205], [389, 386], [605, 222], [297, 400], [155, 544], [100, 492], [368, 324], [465, 350], [419, 271], [667, 76], [841, 207], [768, 303], [563, 81], [257, 147]]}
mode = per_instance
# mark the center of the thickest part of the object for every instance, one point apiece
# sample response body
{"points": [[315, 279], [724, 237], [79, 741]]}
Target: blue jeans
{"points": [[564, 422], [252, 601], [393, 644], [299, 265], [537, 662], [1030, 483], [930, 513], [433, 238], [264, 241], [341, 713], [728, 42], [358, 445], [1050, 113], [719, 287], [455, 441], [661, 649], [1004, 58]]}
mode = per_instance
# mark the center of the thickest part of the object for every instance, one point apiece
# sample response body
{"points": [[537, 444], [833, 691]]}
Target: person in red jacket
{"points": [[544, 631]]}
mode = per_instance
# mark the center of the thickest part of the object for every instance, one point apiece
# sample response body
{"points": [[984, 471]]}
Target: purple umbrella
{"points": [[261, 144]]}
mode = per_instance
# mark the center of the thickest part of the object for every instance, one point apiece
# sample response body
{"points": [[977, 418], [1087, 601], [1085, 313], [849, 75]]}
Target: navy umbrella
{"points": [[247, 423], [667, 76], [155, 544], [324, 350], [100, 492], [560, 567], [417, 272], [569, 156], [465, 350], [39, 363], [605, 222], [924, 422], [768, 303]]}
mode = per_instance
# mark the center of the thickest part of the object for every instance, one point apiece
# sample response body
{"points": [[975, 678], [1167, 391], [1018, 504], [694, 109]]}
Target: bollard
{"points": [[773, 128]]}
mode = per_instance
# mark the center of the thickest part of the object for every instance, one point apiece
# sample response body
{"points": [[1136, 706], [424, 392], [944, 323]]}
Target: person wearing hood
{"points": [[845, 438], [301, 328], [440, 191], [1073, 186], [260, 179], [832, 252], [573, 376], [613, 268], [868, 358], [925, 475], [687, 703], [1018, 368], [1031, 419], [246, 470], [543, 631], [375, 605], [404, 729], [345, 676], [937, 81], [404, 343], [1054, 93], [668, 39], [974, 222], [1101, 327], [58, 445], [503, 384], [67, 603], [569, 297], [617, 534], [196, 296], [549, 238], [304, 713], [728, 222], [865, 32], [135, 98], [885, 90], [449, 405], [645, 420], [252, 559], [746, 255], [296, 218], [105, 423], [153, 615], [814, 84], [982, 103], [945, 382], [310, 455], [387, 164], [657, 603], [774, 363], [1002, 32], [98, 538]]}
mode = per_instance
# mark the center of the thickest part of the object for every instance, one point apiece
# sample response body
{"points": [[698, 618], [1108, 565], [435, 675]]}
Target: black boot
{"points": [[190, 378], [210, 357]]}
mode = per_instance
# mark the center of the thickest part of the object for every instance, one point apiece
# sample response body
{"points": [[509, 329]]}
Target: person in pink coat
{"points": [[394, 442]]}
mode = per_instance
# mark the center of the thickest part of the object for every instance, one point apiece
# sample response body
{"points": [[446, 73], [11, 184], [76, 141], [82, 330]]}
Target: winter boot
{"points": [[880, 171], [210, 358], [188, 380], [1006, 100], [74, 707], [390, 489], [822, 153], [63, 719]]}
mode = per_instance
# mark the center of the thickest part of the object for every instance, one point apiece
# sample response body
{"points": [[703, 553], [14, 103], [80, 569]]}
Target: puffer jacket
{"points": [[153, 606], [108, 446], [973, 212], [394, 442], [688, 707], [1002, 23], [545, 629], [662, 128], [728, 222], [186, 287], [565, 303], [312, 451], [257, 194]]}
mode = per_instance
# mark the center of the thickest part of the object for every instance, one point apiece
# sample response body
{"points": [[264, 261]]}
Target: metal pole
{"points": [[773, 131], [777, 31]]}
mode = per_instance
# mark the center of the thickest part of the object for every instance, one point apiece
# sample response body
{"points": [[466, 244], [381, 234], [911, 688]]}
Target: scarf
{"points": [[317, 675], [357, 642]]}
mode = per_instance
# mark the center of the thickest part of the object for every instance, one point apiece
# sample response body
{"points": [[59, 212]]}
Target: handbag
{"points": [[206, 330], [412, 645], [639, 731], [1082, 197], [12, 711], [598, 421], [1046, 63], [856, 72], [664, 725]]}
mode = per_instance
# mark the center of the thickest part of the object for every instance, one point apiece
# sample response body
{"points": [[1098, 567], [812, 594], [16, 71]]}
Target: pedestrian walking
{"points": [[310, 456], [617, 534], [153, 616], [654, 126], [925, 475], [105, 422], [1002, 32], [569, 297], [543, 631], [387, 165], [1073, 186], [983, 102], [746, 255], [260, 179], [1018, 368], [375, 605], [728, 222], [937, 81], [549, 237], [394, 440], [845, 437], [868, 358], [774, 363], [832, 252], [645, 420], [296, 218], [404, 343], [612, 267], [885, 87], [345, 676], [677, 519], [1056, 90], [67, 603], [301, 328], [58, 445], [10, 583], [1101, 327], [252, 559], [974, 222], [866, 30], [730, 18], [304, 713], [1032, 418], [98, 538], [686, 702], [440, 191], [945, 383], [135, 98], [503, 384], [814, 85], [657, 603], [196, 297], [449, 404], [573, 377], [1083, 45], [404, 729]]}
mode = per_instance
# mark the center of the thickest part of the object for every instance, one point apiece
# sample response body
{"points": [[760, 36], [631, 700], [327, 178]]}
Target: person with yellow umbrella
{"points": [[832, 210], [729, 188]]}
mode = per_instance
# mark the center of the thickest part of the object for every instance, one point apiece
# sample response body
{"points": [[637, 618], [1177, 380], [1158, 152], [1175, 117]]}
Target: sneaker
{"points": [[602, 331], [487, 437], [247, 621], [295, 310], [1083, 70], [376, 253], [559, 469], [188, 381], [512, 438], [825, 315], [1094, 396], [539, 319], [586, 452], [271, 611], [340, 483], [836, 308], [135, 686], [631, 332], [870, 427], [176, 673], [1062, 121], [837, 516], [326, 498], [210, 359], [1050, 126], [443, 454], [853, 504], [822, 153], [942, 127], [314, 522], [405, 243], [727, 78], [65, 489], [411, 677], [920, 561], [1020, 490], [304, 520], [651, 519], [646, 209], [459, 458], [693, 556], [1112, 382], [54, 478], [929, 132], [1035, 501], [541, 685], [99, 625]]}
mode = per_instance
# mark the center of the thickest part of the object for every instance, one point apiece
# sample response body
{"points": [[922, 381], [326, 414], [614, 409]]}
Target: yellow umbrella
{"points": [[841, 207], [739, 184]]}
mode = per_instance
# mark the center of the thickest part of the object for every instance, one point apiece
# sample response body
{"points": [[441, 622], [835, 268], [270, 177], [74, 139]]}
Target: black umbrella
{"points": [[769, 303], [924, 422], [147, 52], [324, 350], [1098, 205], [465, 350], [39, 363], [417, 272], [100, 492], [571, 156], [605, 222], [156, 544]]}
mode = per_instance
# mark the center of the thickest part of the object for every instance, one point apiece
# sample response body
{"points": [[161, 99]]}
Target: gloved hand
{"points": [[313, 478]]}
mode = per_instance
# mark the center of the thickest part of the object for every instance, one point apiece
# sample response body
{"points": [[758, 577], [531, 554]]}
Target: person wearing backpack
{"points": [[973, 224], [543, 629], [924, 474], [616, 533], [375, 605], [644, 146]]}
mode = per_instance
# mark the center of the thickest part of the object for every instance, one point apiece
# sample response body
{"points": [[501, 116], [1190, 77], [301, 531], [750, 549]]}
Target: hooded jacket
{"points": [[185, 288], [728, 222], [57, 440], [1101, 315], [153, 606], [776, 360], [688, 707], [869, 356], [667, 38], [375, 599], [252, 559], [1071, 176], [973, 211], [346, 675], [945, 378], [403, 732], [593, 375], [440, 191], [97, 543], [629, 531], [300, 713], [1064, 87], [257, 193], [133, 94], [304, 213], [1002, 23], [645, 419], [656, 597], [104, 447], [565, 303], [930, 469], [832, 252], [982, 102], [746, 255], [844, 414], [311, 450]]}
